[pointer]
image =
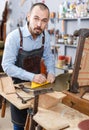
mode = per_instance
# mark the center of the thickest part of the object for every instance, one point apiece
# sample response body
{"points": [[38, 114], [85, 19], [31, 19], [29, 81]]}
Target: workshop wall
{"points": [[18, 15]]}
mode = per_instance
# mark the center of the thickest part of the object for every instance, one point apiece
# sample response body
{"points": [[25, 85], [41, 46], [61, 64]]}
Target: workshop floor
{"points": [[5, 123]]}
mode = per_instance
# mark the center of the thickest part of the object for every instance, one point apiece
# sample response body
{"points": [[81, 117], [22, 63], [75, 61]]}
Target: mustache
{"points": [[38, 28]]}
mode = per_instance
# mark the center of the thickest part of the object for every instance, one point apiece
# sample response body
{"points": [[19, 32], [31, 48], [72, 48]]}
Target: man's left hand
{"points": [[50, 78]]}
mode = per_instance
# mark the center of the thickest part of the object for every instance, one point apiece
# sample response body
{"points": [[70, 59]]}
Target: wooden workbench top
{"points": [[8, 91], [75, 118]]}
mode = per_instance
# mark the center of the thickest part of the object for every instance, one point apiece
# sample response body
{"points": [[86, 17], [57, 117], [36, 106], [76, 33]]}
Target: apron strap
{"points": [[21, 39], [43, 38]]}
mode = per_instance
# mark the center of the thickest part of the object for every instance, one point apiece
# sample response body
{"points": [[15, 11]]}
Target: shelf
{"points": [[70, 19], [66, 45], [74, 46], [66, 26]]}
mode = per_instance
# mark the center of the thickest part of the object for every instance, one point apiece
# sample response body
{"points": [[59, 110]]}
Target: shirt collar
{"points": [[25, 31]]}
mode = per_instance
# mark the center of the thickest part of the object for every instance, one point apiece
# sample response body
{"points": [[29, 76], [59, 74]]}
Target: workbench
{"points": [[50, 102], [9, 93]]}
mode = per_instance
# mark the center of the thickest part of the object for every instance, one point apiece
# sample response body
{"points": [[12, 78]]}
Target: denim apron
{"points": [[30, 61]]}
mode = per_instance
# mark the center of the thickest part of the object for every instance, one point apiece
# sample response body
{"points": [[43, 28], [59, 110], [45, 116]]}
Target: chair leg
{"points": [[3, 109], [27, 124]]}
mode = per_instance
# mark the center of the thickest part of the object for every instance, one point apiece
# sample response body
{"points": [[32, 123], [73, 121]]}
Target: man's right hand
{"points": [[39, 78]]}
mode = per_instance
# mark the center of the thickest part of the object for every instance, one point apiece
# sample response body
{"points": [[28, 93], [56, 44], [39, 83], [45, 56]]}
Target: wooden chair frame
{"points": [[82, 34]]}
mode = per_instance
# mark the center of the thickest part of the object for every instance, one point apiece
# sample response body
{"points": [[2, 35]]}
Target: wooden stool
{"points": [[50, 120]]}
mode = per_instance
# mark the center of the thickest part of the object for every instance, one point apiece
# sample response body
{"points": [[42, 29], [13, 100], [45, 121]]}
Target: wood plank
{"points": [[73, 116], [75, 101], [7, 85], [13, 98], [50, 99], [0, 86], [51, 120]]}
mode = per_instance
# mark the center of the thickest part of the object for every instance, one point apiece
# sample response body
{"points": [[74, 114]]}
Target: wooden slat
{"points": [[0, 86], [7, 85]]}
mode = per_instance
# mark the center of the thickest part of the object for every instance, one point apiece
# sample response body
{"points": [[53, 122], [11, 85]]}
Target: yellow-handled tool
{"points": [[36, 85]]}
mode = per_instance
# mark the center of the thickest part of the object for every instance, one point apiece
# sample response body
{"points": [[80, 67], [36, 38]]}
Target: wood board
{"points": [[51, 99], [73, 116], [7, 85], [51, 120]]}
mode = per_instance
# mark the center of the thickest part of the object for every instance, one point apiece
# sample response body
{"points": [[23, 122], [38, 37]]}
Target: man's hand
{"points": [[50, 78], [39, 78]]}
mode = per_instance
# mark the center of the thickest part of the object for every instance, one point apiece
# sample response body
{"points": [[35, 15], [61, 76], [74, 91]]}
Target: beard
{"points": [[37, 31]]}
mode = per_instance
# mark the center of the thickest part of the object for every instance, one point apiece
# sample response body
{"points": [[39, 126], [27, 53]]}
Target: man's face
{"points": [[38, 20]]}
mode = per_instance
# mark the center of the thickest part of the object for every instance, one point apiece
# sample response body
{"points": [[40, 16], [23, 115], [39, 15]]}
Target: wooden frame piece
{"points": [[82, 34]]}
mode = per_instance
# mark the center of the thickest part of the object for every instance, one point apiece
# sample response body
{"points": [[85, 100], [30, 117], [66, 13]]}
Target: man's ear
{"points": [[28, 17]]}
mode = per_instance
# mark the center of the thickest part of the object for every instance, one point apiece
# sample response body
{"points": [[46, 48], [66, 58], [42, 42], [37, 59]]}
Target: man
{"points": [[24, 49]]}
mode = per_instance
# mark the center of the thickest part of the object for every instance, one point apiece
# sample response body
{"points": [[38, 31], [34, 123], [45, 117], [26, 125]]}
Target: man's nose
{"points": [[39, 23]]}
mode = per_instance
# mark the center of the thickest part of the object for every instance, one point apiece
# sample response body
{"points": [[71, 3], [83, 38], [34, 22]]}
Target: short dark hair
{"points": [[41, 5]]}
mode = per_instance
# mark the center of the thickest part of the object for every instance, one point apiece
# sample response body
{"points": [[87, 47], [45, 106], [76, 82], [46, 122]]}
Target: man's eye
{"points": [[44, 21], [36, 18]]}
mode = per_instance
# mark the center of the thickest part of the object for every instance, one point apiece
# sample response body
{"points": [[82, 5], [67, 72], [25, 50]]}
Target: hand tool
{"points": [[32, 92], [23, 100]]}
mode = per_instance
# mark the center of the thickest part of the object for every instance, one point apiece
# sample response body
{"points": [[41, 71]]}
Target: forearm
{"points": [[14, 71]]}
